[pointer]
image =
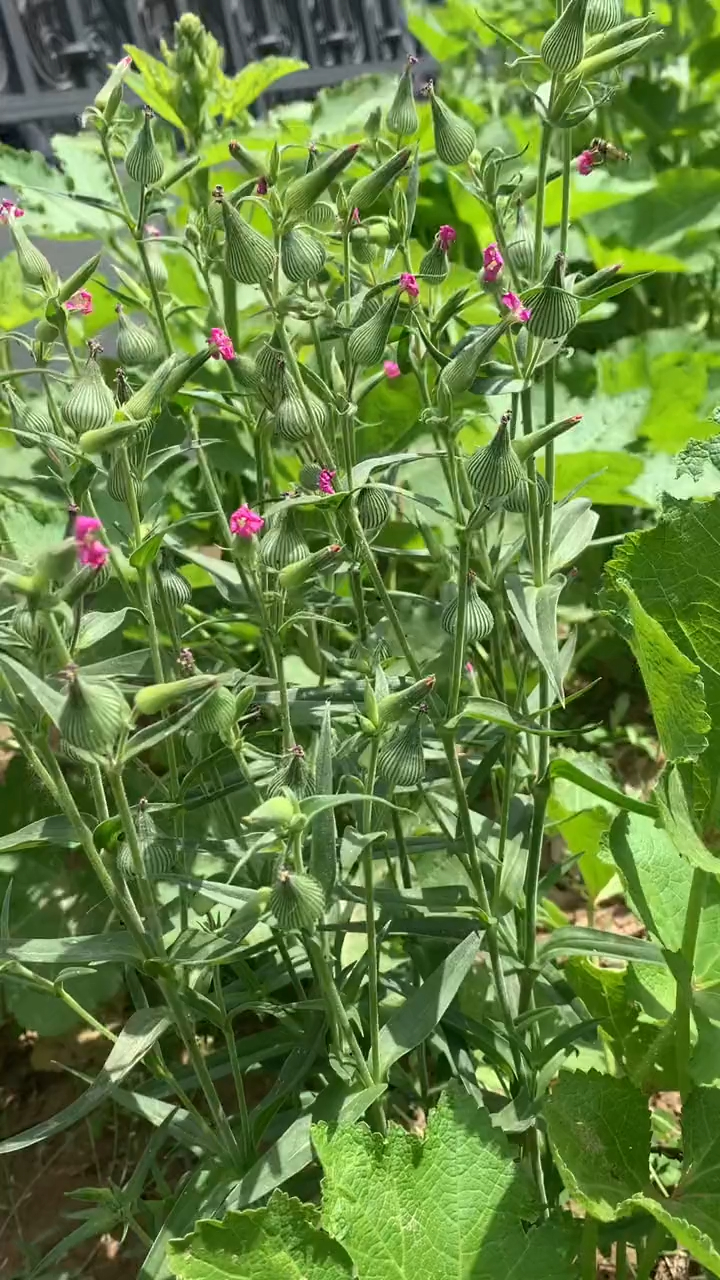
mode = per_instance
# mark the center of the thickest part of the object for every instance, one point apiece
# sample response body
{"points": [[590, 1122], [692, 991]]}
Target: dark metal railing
{"points": [[54, 52]]}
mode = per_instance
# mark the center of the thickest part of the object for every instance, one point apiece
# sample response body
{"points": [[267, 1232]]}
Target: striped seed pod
{"points": [[321, 215], [31, 418], [176, 588], [33, 627], [297, 900], [402, 116], [435, 267], [158, 852], [603, 15], [158, 270], [93, 713], [249, 256], [373, 508], [301, 255], [555, 311], [283, 543], [460, 372], [144, 162], [519, 500], [479, 620], [34, 266], [495, 470], [91, 403], [368, 341], [563, 45], [217, 714], [116, 482], [293, 420], [294, 772], [454, 137], [361, 246], [401, 762], [270, 367], [363, 193], [135, 345], [303, 193]]}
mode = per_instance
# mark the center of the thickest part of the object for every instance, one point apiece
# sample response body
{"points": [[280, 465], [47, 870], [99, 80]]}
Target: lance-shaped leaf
{"points": [[142, 1029], [420, 1014], [535, 610]]}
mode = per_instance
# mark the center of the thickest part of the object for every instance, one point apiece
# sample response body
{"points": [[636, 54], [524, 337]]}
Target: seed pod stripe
{"points": [[249, 256], [301, 255], [563, 45], [454, 137], [495, 470]]}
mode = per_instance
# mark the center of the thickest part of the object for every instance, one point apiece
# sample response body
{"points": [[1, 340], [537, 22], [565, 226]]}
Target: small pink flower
{"points": [[585, 162], [520, 312], [223, 344], [152, 232], [245, 522], [81, 302], [392, 369], [355, 217], [409, 284], [469, 668], [124, 63], [262, 187], [9, 211], [493, 263], [90, 550], [325, 481], [446, 236]]}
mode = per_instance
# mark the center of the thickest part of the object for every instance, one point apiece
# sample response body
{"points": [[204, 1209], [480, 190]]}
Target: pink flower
{"points": [[223, 344], [409, 284], [152, 232], [520, 312], [245, 522], [470, 669], [493, 263], [585, 162], [446, 236], [90, 550], [124, 63], [9, 210], [262, 187], [392, 369], [81, 302], [355, 215], [325, 481]]}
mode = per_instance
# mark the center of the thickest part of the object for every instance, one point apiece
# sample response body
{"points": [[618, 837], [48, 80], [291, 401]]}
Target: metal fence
{"points": [[53, 51]]}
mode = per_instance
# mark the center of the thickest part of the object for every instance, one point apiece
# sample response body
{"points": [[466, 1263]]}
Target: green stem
{"points": [[621, 1261], [545, 141], [650, 1252], [370, 924], [463, 589], [588, 1253], [147, 895], [245, 1127], [339, 1013], [230, 313], [683, 998]]}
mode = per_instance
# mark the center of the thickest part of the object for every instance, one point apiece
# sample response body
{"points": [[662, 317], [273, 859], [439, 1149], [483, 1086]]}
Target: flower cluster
{"points": [[325, 481], [89, 548], [222, 345]]}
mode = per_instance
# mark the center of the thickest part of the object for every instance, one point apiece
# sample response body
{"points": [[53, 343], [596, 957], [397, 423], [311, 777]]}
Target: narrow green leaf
{"points": [[323, 850], [418, 1017], [141, 1031], [535, 610], [96, 626], [116, 947], [492, 712], [176, 720], [46, 831], [561, 768], [40, 694], [577, 941]]}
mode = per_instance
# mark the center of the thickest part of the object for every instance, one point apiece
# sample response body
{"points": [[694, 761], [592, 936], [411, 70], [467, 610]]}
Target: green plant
{"points": [[294, 678]]}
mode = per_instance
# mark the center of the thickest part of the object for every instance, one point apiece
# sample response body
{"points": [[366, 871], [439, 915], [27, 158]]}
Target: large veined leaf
{"points": [[452, 1205], [239, 93], [681, 200], [666, 567], [142, 1029]]}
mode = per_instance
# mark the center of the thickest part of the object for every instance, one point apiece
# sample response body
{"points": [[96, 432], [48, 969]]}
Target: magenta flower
{"points": [[520, 312], [325, 481], [152, 232], [409, 284], [585, 162], [392, 369], [262, 187], [81, 302], [222, 343], [245, 522], [493, 263], [9, 210], [90, 550], [446, 236]]}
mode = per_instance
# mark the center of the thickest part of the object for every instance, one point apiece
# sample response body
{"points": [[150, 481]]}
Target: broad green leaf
{"points": [[535, 610], [323, 851], [141, 1031], [283, 1241], [678, 822], [681, 200], [674, 685], [666, 567], [254, 79], [599, 1127], [605, 994], [655, 876], [46, 831], [423, 1010], [454, 1204], [100, 948]]}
